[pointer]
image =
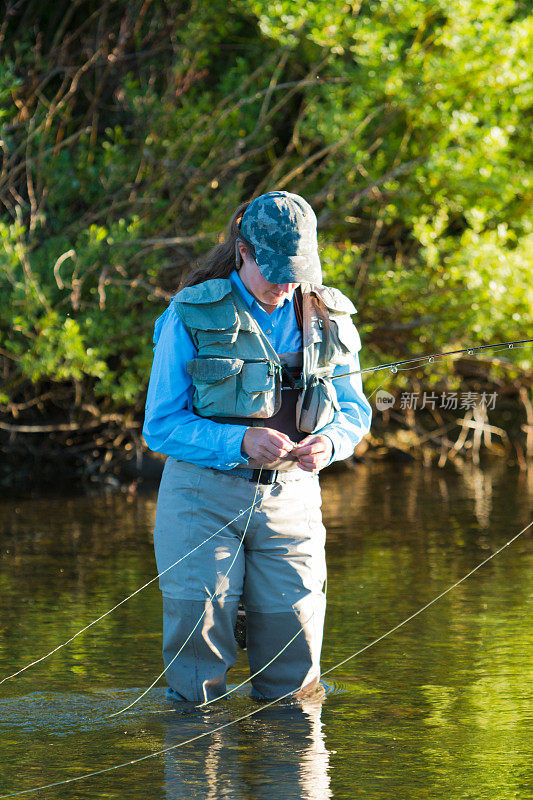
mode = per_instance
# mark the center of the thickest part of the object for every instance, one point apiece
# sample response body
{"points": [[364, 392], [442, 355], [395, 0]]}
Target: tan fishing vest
{"points": [[237, 375]]}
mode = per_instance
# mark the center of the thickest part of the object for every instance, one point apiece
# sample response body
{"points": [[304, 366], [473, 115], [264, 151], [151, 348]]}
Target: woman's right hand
{"points": [[266, 444]]}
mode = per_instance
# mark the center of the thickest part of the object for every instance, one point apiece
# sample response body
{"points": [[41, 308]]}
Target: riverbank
{"points": [[427, 436]]}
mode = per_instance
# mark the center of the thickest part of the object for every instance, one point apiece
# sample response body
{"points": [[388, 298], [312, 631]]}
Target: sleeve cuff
{"points": [[343, 444], [235, 456], [335, 445]]}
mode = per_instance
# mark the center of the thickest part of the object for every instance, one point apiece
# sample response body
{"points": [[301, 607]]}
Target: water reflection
{"points": [[439, 710], [381, 493], [282, 746]]}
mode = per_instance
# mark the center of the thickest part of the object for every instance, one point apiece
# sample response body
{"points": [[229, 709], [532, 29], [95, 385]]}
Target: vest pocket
{"points": [[215, 385], [212, 323], [221, 336], [331, 331], [233, 387], [261, 389], [344, 336]]}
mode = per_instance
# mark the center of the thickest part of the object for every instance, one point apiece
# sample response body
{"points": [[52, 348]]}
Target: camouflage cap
{"points": [[282, 229]]}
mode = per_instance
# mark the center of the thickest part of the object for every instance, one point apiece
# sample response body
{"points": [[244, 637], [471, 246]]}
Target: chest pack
{"points": [[237, 374]]}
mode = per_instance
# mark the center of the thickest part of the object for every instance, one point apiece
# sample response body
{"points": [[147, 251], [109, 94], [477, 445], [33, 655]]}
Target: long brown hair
{"points": [[220, 261]]}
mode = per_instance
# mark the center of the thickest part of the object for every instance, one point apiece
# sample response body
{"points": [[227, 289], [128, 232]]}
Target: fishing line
{"points": [[263, 705], [105, 614], [378, 387], [393, 368], [259, 671], [255, 674], [442, 594], [204, 612]]}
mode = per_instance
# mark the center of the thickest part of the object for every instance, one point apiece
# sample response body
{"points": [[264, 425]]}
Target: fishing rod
{"points": [[264, 706], [430, 358], [392, 366], [409, 361]]}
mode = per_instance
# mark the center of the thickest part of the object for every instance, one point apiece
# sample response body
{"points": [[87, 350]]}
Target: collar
{"points": [[236, 280]]}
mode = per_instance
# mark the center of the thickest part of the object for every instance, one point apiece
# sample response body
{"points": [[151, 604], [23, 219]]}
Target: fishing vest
{"points": [[237, 375]]}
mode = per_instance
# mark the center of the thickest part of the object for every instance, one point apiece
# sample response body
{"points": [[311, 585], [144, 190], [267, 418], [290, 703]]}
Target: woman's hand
{"points": [[266, 444], [314, 452]]}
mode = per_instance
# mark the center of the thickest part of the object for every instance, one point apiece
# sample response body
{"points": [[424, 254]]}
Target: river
{"points": [[440, 709]]}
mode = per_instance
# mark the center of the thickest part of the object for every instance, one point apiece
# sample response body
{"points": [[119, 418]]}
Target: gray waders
{"points": [[279, 571]]}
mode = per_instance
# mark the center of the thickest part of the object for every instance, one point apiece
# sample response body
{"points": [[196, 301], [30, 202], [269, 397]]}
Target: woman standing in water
{"points": [[241, 399]]}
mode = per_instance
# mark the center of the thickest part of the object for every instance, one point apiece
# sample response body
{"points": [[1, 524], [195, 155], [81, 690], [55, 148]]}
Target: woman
{"points": [[242, 400]]}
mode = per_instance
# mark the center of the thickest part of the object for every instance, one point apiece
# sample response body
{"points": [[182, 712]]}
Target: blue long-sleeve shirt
{"points": [[170, 425]]}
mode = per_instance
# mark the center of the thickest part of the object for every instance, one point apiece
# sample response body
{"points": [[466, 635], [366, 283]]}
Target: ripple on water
{"points": [[63, 714]]}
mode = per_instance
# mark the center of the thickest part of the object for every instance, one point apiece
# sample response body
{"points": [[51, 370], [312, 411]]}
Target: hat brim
{"points": [[277, 268]]}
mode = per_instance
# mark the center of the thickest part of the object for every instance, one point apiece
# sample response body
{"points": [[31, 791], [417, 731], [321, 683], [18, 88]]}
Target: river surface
{"points": [[440, 709]]}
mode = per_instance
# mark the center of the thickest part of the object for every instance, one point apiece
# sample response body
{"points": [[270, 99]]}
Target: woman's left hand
{"points": [[314, 452]]}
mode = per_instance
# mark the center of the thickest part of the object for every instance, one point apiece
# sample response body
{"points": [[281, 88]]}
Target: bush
{"points": [[131, 130]]}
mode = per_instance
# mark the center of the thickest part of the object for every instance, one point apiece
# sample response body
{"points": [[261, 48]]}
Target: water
{"points": [[440, 709]]}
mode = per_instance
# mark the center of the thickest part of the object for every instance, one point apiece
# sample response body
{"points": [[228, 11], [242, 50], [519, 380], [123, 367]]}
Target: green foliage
{"points": [[130, 136], [59, 352]]}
